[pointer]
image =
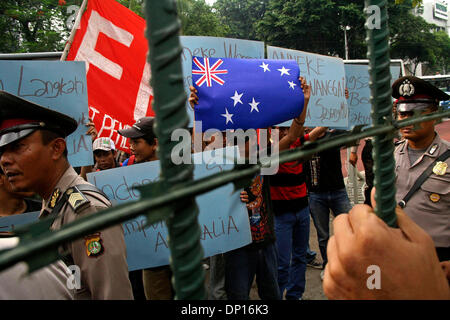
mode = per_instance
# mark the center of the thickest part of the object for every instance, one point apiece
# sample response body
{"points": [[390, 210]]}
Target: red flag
{"points": [[111, 41]]}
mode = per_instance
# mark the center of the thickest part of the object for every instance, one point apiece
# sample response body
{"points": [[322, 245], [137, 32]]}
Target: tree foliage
{"points": [[309, 25], [241, 17], [314, 25], [136, 6], [198, 19], [32, 25], [442, 52], [41, 25]]}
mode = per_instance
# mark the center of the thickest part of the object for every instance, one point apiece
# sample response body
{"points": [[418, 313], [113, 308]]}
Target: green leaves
{"points": [[314, 26], [32, 26], [415, 3], [241, 17], [199, 19]]}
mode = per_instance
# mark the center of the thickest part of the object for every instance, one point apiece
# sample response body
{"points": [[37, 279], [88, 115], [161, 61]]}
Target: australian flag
{"points": [[246, 93]]}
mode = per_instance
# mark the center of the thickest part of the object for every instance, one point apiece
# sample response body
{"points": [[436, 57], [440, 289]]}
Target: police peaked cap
{"points": [[20, 117], [415, 93]]}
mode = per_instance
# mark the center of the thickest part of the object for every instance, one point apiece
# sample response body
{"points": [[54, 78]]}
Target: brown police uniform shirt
{"points": [[104, 275], [47, 283], [429, 207]]}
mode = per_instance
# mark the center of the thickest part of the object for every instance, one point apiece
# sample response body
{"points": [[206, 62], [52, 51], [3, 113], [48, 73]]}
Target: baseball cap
{"points": [[142, 127], [103, 143]]}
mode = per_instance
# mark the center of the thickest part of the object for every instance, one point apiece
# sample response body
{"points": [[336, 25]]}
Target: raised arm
{"points": [[297, 129]]}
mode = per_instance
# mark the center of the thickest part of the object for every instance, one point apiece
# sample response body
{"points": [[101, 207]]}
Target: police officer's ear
{"points": [[58, 148]]}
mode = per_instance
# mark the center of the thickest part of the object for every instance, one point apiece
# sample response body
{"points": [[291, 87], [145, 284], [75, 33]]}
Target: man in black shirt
{"points": [[326, 191]]}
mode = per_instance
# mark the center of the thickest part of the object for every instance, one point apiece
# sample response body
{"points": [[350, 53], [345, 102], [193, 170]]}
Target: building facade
{"points": [[435, 12]]}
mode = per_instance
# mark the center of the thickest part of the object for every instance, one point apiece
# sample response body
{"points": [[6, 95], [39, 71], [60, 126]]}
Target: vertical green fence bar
{"points": [[169, 105], [380, 76]]}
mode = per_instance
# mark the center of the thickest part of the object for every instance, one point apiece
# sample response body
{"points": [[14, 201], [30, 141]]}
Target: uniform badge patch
{"points": [[434, 197], [406, 88], [94, 245], [440, 168], [54, 198], [76, 199]]}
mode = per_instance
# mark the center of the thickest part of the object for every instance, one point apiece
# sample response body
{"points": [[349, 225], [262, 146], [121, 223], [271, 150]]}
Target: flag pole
{"points": [[74, 30]]}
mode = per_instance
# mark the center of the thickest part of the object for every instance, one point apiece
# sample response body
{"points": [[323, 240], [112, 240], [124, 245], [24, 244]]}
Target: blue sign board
{"points": [[357, 76], [57, 85], [327, 105], [223, 218], [10, 222]]}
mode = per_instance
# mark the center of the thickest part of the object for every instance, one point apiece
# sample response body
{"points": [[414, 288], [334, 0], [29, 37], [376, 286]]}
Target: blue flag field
{"points": [[246, 93]]}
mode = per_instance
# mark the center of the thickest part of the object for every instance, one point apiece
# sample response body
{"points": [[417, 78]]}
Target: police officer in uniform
{"points": [[33, 155], [422, 163]]}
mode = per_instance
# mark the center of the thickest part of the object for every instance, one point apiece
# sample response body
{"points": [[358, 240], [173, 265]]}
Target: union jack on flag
{"points": [[209, 73], [252, 93]]}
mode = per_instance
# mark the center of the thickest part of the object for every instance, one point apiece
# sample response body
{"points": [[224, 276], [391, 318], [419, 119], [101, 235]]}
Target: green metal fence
{"points": [[173, 198]]}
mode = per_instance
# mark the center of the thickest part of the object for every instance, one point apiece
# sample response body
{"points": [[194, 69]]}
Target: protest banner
{"points": [[357, 79], [111, 40], [223, 217], [327, 105], [214, 47], [9, 223], [59, 86]]}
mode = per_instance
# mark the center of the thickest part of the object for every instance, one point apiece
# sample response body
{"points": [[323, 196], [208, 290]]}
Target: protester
{"points": [[422, 162], [155, 283], [326, 188], [34, 158], [291, 215], [216, 284], [367, 160], [12, 203], [260, 257], [104, 155], [289, 276]]}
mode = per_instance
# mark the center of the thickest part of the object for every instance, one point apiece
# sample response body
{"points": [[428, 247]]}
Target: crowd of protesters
{"points": [[279, 210]]}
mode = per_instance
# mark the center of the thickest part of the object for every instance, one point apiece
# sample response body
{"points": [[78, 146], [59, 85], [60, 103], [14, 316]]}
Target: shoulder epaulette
{"points": [[399, 142], [76, 199]]}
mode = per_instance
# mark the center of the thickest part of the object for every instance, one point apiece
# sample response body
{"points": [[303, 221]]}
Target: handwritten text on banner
{"points": [[357, 76], [326, 76], [60, 86], [223, 217]]}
